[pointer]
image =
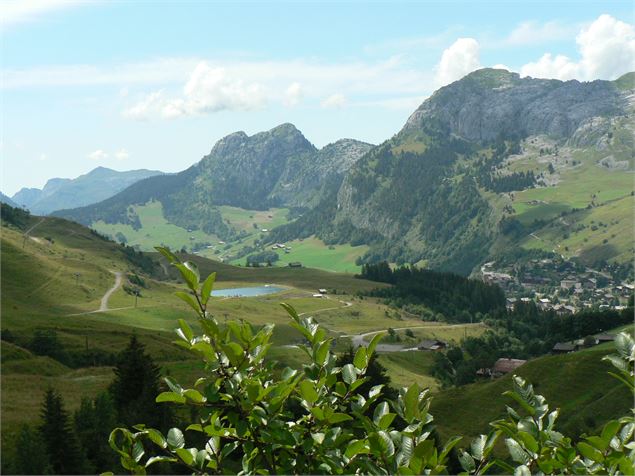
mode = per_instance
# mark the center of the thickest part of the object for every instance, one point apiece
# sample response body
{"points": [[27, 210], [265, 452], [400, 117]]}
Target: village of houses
{"points": [[556, 284]]}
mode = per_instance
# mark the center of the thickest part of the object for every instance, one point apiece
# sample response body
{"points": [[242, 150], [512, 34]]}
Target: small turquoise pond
{"points": [[246, 292]]}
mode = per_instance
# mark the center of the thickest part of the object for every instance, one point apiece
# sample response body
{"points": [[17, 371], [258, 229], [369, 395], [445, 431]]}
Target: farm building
{"points": [[504, 366], [295, 264], [432, 344], [564, 348]]}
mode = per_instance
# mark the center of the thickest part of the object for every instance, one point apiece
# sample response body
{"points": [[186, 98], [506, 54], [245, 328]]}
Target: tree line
{"points": [[64, 443], [455, 297]]}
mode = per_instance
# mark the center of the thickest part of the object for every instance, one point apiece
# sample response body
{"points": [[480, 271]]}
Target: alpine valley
{"points": [[489, 165]]}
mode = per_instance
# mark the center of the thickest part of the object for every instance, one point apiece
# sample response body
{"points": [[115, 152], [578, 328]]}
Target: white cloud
{"points": [[334, 101], [532, 33], [43, 157], [293, 95], [20, 11], [98, 155], [461, 58], [502, 66], [607, 50], [122, 154], [549, 66], [209, 89]]}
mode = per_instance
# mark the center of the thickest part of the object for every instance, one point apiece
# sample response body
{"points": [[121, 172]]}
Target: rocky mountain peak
{"points": [[489, 103]]}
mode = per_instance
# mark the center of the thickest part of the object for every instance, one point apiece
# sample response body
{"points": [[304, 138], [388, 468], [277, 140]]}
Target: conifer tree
{"points": [[30, 453], [134, 389], [94, 421], [60, 441]]}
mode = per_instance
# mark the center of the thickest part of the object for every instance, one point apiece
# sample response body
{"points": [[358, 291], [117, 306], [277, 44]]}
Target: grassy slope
{"points": [[577, 186], [313, 253], [154, 230], [577, 383], [39, 290]]}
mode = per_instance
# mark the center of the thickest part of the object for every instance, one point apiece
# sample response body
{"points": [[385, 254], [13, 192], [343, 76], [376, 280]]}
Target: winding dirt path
{"points": [[103, 307]]}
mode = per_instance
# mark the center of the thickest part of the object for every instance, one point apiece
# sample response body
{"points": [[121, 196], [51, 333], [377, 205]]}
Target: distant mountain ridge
{"points": [[437, 193], [279, 167], [95, 186]]}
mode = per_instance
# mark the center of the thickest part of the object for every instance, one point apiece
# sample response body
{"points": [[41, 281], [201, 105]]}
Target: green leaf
{"points": [[208, 286], [518, 454], [467, 462], [307, 391], [348, 373], [381, 443], [170, 397], [157, 438], [322, 352], [386, 420], [160, 459], [380, 411], [189, 276], [175, 439], [213, 445], [194, 395], [186, 455], [528, 441], [171, 257], [339, 417], [360, 361], [186, 329], [610, 430], [373, 344], [478, 447], [187, 297], [589, 452], [355, 448], [411, 402], [291, 311], [137, 451], [234, 352]]}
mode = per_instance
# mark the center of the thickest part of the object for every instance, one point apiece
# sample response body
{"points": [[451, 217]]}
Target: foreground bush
{"points": [[252, 419]]}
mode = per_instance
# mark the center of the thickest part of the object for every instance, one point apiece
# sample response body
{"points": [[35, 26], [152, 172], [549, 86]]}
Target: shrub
{"points": [[252, 419]]}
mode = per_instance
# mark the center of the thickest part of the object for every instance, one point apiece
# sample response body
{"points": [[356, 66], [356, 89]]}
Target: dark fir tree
{"points": [[94, 421], [135, 387], [60, 441], [30, 453]]}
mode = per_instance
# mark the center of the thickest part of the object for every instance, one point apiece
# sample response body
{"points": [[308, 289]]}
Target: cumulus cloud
{"points": [[122, 154], [531, 33], [461, 58], [98, 155], [335, 101], [208, 89], [607, 50], [293, 95]]}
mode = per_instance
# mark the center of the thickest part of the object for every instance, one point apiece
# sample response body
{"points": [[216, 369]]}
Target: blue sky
{"points": [[154, 84]]}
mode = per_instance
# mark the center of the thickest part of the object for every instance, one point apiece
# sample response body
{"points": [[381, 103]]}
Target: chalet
{"points": [[295, 264], [322, 291], [605, 338], [564, 348], [432, 344], [591, 283], [504, 366], [510, 303], [568, 284]]}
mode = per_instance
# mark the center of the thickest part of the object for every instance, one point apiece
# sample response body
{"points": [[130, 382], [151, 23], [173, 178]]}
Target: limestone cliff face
{"points": [[306, 183], [489, 103]]}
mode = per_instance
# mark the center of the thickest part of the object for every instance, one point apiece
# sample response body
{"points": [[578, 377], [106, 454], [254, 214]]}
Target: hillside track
{"points": [[103, 307]]}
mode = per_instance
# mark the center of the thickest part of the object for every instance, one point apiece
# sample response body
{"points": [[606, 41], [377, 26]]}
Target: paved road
{"points": [[358, 339], [104, 300]]}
